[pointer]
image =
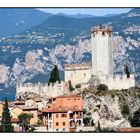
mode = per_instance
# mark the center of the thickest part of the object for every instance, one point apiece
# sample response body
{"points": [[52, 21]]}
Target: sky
{"points": [[91, 11]]}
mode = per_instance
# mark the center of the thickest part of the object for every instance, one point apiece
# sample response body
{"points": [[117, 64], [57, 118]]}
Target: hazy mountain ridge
{"points": [[17, 20]]}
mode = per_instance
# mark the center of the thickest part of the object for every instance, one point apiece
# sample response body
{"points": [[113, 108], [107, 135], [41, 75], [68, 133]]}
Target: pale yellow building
{"points": [[34, 113], [15, 112], [1, 110]]}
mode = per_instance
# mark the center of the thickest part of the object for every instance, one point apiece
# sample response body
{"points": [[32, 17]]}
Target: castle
{"points": [[99, 72]]}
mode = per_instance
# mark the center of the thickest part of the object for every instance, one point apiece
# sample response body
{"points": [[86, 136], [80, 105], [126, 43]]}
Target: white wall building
{"points": [[78, 73]]}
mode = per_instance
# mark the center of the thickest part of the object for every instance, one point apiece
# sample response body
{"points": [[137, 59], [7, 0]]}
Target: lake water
{"points": [[9, 96]]}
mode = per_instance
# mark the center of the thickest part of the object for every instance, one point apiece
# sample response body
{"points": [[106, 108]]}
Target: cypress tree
{"points": [[99, 127], [127, 71], [54, 75], [6, 118]]}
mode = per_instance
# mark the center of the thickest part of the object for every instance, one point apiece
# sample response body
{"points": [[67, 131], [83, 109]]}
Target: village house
{"points": [[64, 114], [33, 111], [1, 110]]}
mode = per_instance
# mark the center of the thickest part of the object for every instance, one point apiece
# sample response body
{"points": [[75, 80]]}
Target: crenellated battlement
{"points": [[118, 77], [51, 90], [117, 81], [101, 28]]}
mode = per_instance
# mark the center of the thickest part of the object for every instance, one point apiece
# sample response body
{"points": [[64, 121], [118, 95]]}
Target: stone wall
{"points": [[52, 90]]}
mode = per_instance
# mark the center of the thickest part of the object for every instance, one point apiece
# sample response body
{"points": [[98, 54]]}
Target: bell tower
{"points": [[102, 50]]}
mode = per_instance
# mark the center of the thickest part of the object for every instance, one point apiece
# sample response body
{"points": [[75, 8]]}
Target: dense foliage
{"points": [[6, 124], [127, 72], [25, 120], [135, 121], [54, 75], [102, 87]]}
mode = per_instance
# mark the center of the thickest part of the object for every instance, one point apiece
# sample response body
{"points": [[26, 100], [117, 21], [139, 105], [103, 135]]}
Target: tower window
{"points": [[103, 33], [84, 75]]}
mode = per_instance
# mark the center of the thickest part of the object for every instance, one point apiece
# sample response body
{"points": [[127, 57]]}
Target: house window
{"points": [[57, 123], [64, 123], [63, 115], [57, 115]]}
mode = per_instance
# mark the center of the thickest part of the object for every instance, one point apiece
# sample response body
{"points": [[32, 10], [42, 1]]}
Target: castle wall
{"points": [[43, 89], [118, 82]]}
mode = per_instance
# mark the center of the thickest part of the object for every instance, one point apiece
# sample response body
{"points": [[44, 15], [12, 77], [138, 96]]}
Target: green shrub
{"points": [[70, 86], [125, 109], [88, 113], [102, 87], [135, 120], [86, 121], [84, 111], [78, 86]]}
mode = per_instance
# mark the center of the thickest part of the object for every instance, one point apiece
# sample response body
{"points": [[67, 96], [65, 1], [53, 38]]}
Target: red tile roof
{"points": [[19, 102], [132, 129], [66, 103], [15, 120]]}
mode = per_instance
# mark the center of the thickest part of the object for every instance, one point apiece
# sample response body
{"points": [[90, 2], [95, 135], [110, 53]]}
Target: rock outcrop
{"points": [[109, 107]]}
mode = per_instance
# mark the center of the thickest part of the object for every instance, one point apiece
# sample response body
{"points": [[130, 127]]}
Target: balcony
{"points": [[79, 117]]}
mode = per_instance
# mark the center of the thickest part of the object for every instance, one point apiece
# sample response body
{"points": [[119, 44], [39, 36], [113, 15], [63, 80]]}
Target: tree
{"points": [[99, 127], [70, 86], [102, 87], [127, 72], [54, 75], [86, 121], [25, 119], [6, 118], [135, 121], [125, 109]]}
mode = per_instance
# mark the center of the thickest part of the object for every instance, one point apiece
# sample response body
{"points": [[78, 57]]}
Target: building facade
{"points": [[64, 114], [77, 73]]}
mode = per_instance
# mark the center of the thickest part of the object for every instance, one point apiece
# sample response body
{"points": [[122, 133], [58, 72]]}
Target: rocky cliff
{"points": [[112, 109]]}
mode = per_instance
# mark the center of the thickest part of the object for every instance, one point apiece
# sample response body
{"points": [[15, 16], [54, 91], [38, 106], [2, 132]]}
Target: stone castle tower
{"points": [[102, 50]]}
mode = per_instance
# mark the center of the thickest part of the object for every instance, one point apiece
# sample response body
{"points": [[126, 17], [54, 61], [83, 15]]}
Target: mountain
{"points": [[17, 20], [110, 15], [76, 15], [31, 55]]}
